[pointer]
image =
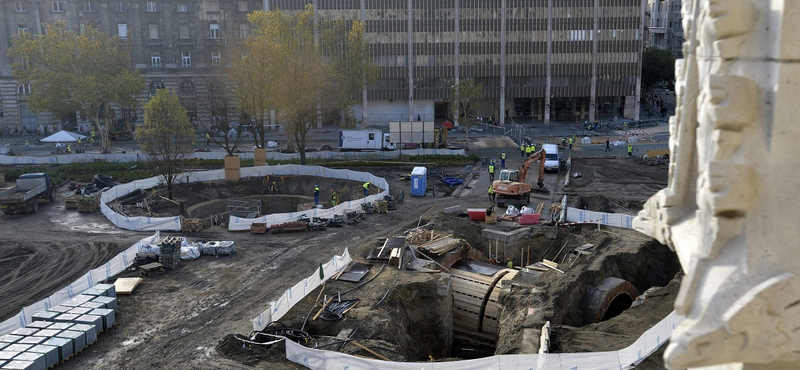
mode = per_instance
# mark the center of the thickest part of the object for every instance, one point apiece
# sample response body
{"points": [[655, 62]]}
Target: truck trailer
{"points": [[24, 196], [371, 139]]}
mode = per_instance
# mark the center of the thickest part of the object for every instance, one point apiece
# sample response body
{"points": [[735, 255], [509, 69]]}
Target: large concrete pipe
{"points": [[608, 299]]}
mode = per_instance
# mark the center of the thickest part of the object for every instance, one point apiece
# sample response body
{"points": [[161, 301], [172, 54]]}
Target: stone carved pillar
{"points": [[730, 206]]}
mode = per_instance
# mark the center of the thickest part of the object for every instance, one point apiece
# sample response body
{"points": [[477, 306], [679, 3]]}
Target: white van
{"points": [[551, 159]]}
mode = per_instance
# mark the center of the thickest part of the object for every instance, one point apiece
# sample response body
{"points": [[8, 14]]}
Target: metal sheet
{"points": [[355, 272], [476, 267]]}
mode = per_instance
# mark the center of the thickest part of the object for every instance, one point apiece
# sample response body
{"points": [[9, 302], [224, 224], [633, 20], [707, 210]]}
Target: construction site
{"points": [[438, 278]]}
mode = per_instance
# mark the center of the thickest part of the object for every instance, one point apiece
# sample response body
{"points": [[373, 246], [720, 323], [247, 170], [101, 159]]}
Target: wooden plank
{"points": [[126, 285]]}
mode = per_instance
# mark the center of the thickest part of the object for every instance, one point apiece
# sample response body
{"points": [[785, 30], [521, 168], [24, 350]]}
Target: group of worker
{"points": [[526, 150], [334, 196]]}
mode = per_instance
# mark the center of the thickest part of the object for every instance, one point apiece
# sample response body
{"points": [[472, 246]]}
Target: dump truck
{"points": [[25, 195], [511, 188], [372, 139]]}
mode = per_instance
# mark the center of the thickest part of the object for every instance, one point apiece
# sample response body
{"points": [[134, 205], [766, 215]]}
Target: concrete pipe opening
{"points": [[607, 300]]}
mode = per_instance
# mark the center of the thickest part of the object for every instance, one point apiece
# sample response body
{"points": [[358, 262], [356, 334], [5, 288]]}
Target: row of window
{"points": [[183, 31], [186, 59], [122, 6]]}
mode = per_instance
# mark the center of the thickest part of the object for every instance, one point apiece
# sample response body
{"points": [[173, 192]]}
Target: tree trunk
{"points": [[299, 137], [106, 148]]}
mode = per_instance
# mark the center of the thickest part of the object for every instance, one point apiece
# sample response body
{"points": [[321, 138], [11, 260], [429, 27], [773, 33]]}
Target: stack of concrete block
{"points": [[60, 332]]}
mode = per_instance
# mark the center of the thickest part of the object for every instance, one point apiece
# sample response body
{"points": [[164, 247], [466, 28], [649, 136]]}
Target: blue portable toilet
{"points": [[419, 183]]}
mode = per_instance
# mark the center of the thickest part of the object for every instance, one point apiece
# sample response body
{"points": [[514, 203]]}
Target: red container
{"points": [[476, 214], [529, 219]]}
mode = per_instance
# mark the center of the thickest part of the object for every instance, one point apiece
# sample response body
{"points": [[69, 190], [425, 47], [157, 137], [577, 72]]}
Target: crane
{"points": [[511, 186]]}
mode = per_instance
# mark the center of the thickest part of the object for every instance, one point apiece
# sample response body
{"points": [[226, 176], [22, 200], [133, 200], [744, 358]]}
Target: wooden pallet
{"points": [[88, 203], [151, 269], [71, 202]]}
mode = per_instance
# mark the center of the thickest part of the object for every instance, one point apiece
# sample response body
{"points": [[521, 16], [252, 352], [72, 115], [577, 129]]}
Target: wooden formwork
{"points": [[475, 307]]}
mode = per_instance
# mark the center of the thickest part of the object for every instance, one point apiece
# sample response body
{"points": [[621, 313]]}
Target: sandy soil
{"points": [[184, 319]]}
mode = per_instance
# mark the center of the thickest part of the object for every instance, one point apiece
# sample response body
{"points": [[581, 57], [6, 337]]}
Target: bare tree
{"points": [[218, 110], [463, 98]]}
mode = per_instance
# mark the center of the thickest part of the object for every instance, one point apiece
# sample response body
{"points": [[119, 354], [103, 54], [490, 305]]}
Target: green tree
{"points": [[70, 72], [353, 70], [463, 99], [299, 71], [167, 137], [658, 66]]}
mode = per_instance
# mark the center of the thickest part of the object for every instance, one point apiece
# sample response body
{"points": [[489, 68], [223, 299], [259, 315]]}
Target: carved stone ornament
{"points": [[731, 206]]}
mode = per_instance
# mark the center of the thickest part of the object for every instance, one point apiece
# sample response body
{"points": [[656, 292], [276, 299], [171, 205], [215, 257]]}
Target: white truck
{"points": [[24, 196], [371, 139]]}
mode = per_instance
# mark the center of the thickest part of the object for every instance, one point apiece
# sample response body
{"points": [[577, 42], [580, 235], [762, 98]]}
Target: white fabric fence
{"points": [[300, 290], [239, 224], [626, 358], [236, 223], [111, 268], [271, 156], [602, 218]]}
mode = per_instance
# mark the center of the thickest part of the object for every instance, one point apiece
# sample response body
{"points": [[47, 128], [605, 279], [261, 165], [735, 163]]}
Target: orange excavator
{"points": [[511, 187]]}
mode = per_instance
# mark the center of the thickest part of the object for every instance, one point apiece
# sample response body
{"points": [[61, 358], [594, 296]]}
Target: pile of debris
{"points": [[192, 225], [656, 161]]}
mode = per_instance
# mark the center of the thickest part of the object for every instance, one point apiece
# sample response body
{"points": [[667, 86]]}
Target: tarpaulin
{"points": [[626, 358]]}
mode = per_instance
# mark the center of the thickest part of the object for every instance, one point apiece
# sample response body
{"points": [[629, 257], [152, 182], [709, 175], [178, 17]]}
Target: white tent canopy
{"points": [[63, 136]]}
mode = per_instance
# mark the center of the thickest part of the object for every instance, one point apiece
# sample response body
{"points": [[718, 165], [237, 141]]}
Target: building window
{"points": [[24, 89], [151, 6], [213, 31], [213, 5], [157, 85], [183, 8], [186, 59], [88, 7], [20, 6], [244, 30], [216, 57], [242, 6], [58, 6], [155, 59], [121, 6], [122, 30], [186, 86], [22, 28], [152, 31], [183, 31]]}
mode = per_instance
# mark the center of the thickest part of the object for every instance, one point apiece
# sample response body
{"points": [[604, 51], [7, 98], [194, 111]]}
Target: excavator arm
{"points": [[523, 171]]}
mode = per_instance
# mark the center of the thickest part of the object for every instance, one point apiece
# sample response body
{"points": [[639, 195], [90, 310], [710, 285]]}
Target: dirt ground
{"points": [[186, 318]]}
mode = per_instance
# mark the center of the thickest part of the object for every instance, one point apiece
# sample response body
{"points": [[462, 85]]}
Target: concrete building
{"points": [[564, 60], [172, 42], [665, 26]]}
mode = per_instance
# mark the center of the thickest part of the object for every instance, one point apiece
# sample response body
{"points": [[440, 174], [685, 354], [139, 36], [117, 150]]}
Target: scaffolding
{"points": [[245, 208]]}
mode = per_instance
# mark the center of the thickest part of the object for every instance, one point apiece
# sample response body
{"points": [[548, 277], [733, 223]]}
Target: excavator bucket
{"points": [[538, 190]]}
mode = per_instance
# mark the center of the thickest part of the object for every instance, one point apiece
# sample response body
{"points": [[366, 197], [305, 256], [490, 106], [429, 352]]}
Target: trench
{"points": [[598, 292]]}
